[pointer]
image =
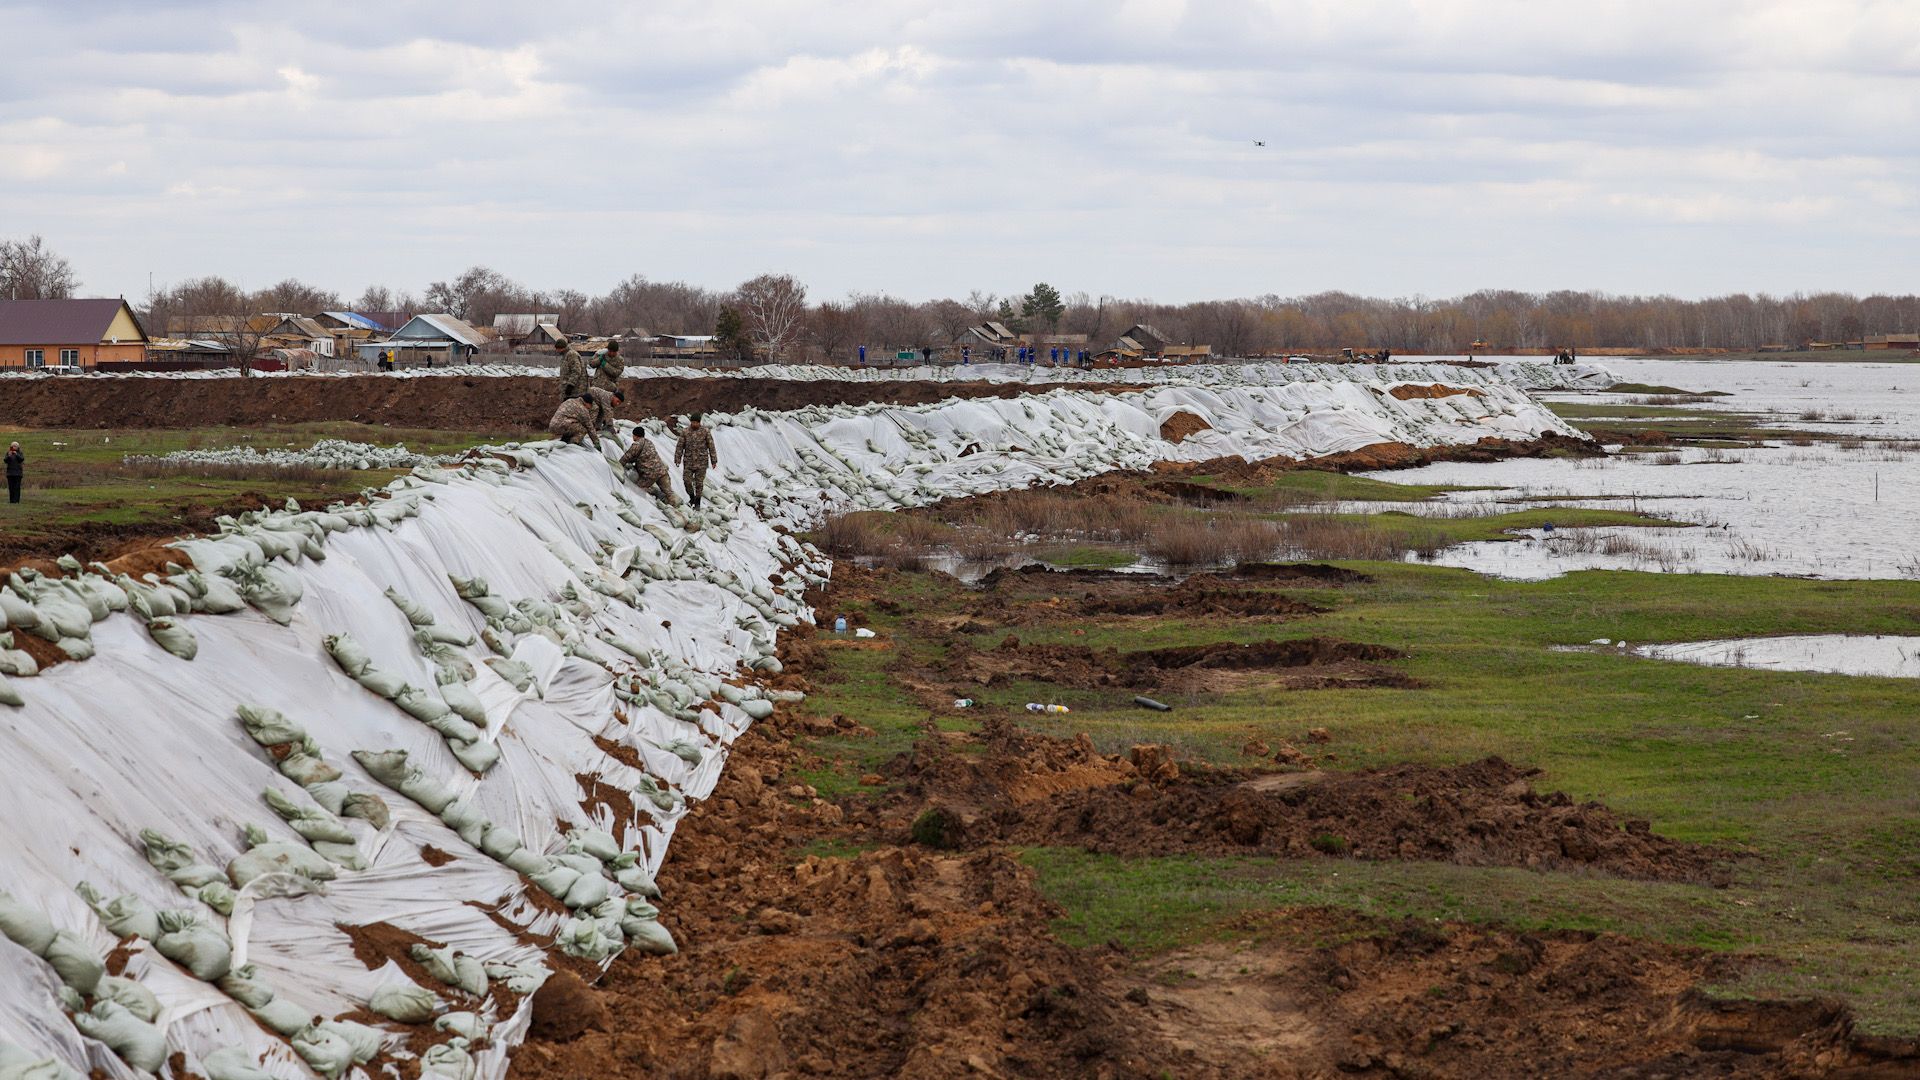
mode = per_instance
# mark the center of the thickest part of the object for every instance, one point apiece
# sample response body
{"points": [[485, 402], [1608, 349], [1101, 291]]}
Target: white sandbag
{"points": [[188, 941], [584, 939], [279, 858], [478, 756], [517, 674], [311, 822], [10, 696], [366, 1041], [442, 634], [384, 683], [217, 895], [556, 879], [447, 1061], [466, 818], [174, 638], [243, 985], [415, 613], [76, 648], [588, 891], [131, 996], [462, 700], [218, 596], [75, 961], [269, 727], [348, 653], [648, 936], [522, 979], [137, 1042], [25, 926], [283, 1016], [233, 1063], [326, 1052], [500, 844], [417, 703], [407, 1004], [467, 1025], [635, 879], [305, 767], [597, 843], [457, 970]]}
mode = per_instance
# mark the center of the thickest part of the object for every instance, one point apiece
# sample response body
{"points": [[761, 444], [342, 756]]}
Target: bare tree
{"points": [[774, 306], [951, 317], [834, 327], [295, 297], [29, 271]]}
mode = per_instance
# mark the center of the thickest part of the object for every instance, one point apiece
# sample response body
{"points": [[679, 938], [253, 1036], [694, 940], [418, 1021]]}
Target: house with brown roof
{"points": [[68, 334]]}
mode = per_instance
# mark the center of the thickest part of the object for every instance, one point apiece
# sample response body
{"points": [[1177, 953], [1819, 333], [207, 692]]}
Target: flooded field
{"points": [[1842, 654], [1833, 494]]}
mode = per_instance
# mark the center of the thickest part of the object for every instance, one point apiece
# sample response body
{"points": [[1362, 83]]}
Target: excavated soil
{"points": [[1415, 391], [464, 404], [1301, 573], [1308, 663], [1177, 427], [1083, 591], [900, 960]]}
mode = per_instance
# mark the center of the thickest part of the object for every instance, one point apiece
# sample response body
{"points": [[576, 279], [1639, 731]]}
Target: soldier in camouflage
{"points": [[608, 367], [695, 455], [649, 471], [573, 421], [603, 401], [573, 370]]}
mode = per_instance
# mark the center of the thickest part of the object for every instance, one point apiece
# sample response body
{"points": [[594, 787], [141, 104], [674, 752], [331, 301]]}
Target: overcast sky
{"points": [[929, 148]]}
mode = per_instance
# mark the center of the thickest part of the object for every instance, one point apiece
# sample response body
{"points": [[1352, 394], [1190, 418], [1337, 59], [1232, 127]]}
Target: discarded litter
{"points": [[1149, 703], [1034, 706], [863, 632], [963, 703]]}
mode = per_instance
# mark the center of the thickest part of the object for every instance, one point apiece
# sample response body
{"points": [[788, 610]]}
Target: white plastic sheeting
{"points": [[137, 738]]}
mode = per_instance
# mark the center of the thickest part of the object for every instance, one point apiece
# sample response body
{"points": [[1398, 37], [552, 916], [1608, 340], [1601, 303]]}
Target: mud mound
{"points": [[1310, 663], [564, 1009], [1177, 427], [1185, 491], [1200, 595], [1414, 391], [1051, 576], [1301, 573], [468, 404], [1481, 814]]}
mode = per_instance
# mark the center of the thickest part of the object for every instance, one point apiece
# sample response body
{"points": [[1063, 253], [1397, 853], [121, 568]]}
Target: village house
{"points": [[351, 329], [69, 334], [424, 341], [1876, 342], [530, 331]]}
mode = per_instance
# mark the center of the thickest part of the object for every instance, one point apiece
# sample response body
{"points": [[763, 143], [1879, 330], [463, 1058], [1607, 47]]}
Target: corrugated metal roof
{"points": [[355, 320], [442, 325], [59, 322]]}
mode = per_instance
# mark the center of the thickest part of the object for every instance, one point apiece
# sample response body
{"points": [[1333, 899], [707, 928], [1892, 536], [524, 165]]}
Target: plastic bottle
{"points": [[1034, 706], [963, 703], [840, 624]]}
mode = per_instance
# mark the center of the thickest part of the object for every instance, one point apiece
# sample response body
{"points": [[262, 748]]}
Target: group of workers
{"points": [[589, 391]]}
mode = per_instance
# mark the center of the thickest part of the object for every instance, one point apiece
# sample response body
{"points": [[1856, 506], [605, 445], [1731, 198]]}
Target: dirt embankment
{"points": [[450, 402], [926, 951]]}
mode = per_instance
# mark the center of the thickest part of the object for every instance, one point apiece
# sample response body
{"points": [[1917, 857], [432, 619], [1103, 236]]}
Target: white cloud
{"points": [[1430, 146]]}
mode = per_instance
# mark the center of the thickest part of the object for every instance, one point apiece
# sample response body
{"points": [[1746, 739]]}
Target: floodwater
{"points": [[1844, 654], [1832, 510]]}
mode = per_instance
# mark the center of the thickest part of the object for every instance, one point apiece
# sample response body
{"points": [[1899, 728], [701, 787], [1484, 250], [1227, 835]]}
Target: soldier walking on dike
{"points": [[694, 454], [16, 471], [573, 370], [608, 367], [649, 471], [574, 421]]}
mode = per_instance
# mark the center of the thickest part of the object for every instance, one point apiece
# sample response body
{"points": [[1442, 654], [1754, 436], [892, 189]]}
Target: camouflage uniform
{"points": [[573, 373], [602, 408], [694, 454], [573, 421], [607, 369], [651, 472]]}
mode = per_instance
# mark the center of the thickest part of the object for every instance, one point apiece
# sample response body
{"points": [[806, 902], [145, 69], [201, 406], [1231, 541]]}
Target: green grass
{"points": [[1089, 557], [1312, 486], [1816, 776], [1643, 388], [75, 478]]}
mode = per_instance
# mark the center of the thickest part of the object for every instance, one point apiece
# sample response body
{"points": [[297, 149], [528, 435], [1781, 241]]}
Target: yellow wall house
{"points": [[68, 334]]}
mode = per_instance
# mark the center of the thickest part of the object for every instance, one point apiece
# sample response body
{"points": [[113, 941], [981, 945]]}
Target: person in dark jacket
{"points": [[16, 469]]}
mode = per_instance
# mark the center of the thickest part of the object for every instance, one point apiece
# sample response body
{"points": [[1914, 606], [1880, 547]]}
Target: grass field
{"points": [[77, 480], [1813, 780]]}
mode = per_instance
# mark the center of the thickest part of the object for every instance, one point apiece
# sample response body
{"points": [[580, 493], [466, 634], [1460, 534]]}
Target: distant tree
{"points": [[29, 271], [951, 317], [375, 298], [1043, 304], [730, 336], [476, 295], [984, 305], [833, 328], [194, 298], [773, 307], [295, 298]]}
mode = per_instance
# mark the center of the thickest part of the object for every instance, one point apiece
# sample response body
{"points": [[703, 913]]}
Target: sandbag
{"points": [[468, 588], [217, 895], [173, 637], [635, 879], [17, 1064], [404, 1004], [27, 927], [464, 817], [10, 696], [556, 880], [588, 891], [371, 809], [499, 844], [282, 1016], [522, 979], [648, 936], [124, 916], [16, 661], [269, 727], [75, 961], [517, 674], [457, 970], [243, 985], [597, 843], [385, 683], [304, 766], [131, 996], [138, 1043], [76, 648], [325, 1052], [201, 949], [366, 1041], [447, 1061], [462, 700], [348, 653], [442, 634], [311, 822], [583, 938], [279, 858], [427, 708], [233, 1063], [218, 596], [415, 613], [464, 1024], [478, 756]]}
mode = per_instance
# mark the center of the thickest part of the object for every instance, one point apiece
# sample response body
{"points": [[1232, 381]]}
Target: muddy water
{"points": [[1843, 654], [1825, 510]]}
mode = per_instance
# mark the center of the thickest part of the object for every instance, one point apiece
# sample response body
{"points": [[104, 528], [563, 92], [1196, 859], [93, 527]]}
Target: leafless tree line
{"points": [[777, 319]]}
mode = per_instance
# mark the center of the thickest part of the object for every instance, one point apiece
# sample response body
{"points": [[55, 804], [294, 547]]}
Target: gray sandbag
{"points": [[587, 892], [447, 1061], [270, 589], [425, 707], [217, 895], [311, 822], [187, 940], [75, 961], [124, 916], [492, 607], [279, 858], [416, 614], [282, 1016], [442, 634], [138, 1043], [465, 1024], [173, 637], [348, 653], [457, 970], [461, 699], [233, 1063], [522, 979], [17, 612], [597, 843], [325, 1052], [645, 934], [218, 596], [10, 696], [16, 661], [243, 985], [635, 879], [369, 808], [464, 817], [27, 927], [390, 767], [499, 844], [407, 1004], [492, 639], [517, 674], [366, 1041], [468, 588], [345, 856], [305, 766], [478, 755], [76, 648], [269, 727], [556, 880], [384, 683], [585, 865], [685, 750], [526, 861], [129, 995], [585, 940]]}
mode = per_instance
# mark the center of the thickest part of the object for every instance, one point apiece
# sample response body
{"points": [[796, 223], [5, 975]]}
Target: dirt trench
{"points": [[1305, 663], [476, 403]]}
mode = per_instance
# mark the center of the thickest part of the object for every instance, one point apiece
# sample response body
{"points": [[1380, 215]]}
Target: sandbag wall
{"points": [[259, 751]]}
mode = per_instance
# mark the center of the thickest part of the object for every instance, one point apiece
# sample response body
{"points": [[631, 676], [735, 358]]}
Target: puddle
{"points": [[1842, 654]]}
